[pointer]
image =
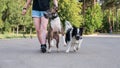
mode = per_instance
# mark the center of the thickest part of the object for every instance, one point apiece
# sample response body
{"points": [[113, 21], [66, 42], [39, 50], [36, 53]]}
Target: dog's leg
{"points": [[49, 46], [52, 39], [57, 41], [49, 50], [74, 48], [69, 46], [50, 36], [63, 37], [52, 42], [80, 42]]}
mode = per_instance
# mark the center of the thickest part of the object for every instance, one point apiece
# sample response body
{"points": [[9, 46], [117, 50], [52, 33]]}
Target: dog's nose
{"points": [[77, 37]]}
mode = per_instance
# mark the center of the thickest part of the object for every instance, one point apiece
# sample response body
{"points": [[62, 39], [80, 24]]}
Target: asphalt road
{"points": [[95, 52]]}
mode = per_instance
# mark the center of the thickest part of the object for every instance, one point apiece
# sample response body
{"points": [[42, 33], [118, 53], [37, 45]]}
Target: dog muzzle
{"points": [[77, 42]]}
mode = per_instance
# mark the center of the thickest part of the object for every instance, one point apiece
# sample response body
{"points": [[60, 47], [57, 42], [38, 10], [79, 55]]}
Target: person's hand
{"points": [[24, 11]]}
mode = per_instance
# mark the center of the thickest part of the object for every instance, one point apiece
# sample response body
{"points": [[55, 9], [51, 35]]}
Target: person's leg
{"points": [[40, 23], [37, 27], [43, 33], [43, 28], [37, 21]]}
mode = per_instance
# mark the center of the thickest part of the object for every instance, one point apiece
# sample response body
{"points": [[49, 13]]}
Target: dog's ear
{"points": [[81, 31]]}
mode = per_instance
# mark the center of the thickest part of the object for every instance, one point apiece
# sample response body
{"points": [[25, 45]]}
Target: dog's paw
{"points": [[74, 50], [49, 50], [53, 42], [67, 51], [65, 44], [58, 50]]}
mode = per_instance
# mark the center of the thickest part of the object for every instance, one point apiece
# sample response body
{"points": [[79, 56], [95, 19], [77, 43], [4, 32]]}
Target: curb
{"points": [[103, 35]]}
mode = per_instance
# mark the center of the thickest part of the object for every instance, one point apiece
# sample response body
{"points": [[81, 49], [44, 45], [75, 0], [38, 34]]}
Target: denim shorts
{"points": [[36, 13]]}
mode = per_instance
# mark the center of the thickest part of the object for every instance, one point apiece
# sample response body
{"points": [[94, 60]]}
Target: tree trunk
{"points": [[24, 29], [13, 30], [84, 6], [17, 30], [30, 32], [109, 20], [117, 22], [113, 20], [0, 30]]}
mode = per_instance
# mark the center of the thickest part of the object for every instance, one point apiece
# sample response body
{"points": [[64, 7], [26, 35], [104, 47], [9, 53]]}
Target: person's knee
{"points": [[44, 27], [38, 31], [44, 23]]}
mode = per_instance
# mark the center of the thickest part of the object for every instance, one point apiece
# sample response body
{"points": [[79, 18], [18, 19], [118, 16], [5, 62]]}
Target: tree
{"points": [[111, 6], [93, 19], [11, 18], [97, 16], [70, 10], [4, 14], [105, 24]]}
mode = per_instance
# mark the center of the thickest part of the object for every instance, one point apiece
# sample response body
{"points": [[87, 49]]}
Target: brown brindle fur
{"points": [[54, 35]]}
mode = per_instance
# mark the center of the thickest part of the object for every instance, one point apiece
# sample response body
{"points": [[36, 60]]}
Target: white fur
{"points": [[68, 26], [56, 24], [76, 44], [53, 42], [63, 41]]}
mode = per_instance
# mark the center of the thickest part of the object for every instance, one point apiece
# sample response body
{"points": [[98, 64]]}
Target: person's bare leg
{"points": [[43, 28], [37, 22]]}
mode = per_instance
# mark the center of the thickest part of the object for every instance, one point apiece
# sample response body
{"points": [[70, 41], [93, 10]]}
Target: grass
{"points": [[10, 35], [116, 32]]}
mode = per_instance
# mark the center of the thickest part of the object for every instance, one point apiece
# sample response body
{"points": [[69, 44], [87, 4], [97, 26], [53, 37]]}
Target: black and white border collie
{"points": [[73, 36]]}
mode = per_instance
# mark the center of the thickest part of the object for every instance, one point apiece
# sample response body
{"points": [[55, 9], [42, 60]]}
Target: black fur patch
{"points": [[67, 38]]}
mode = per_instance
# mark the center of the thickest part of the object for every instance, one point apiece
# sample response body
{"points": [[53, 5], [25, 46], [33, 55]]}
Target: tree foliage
{"points": [[93, 19], [11, 18], [70, 10], [12, 21]]}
